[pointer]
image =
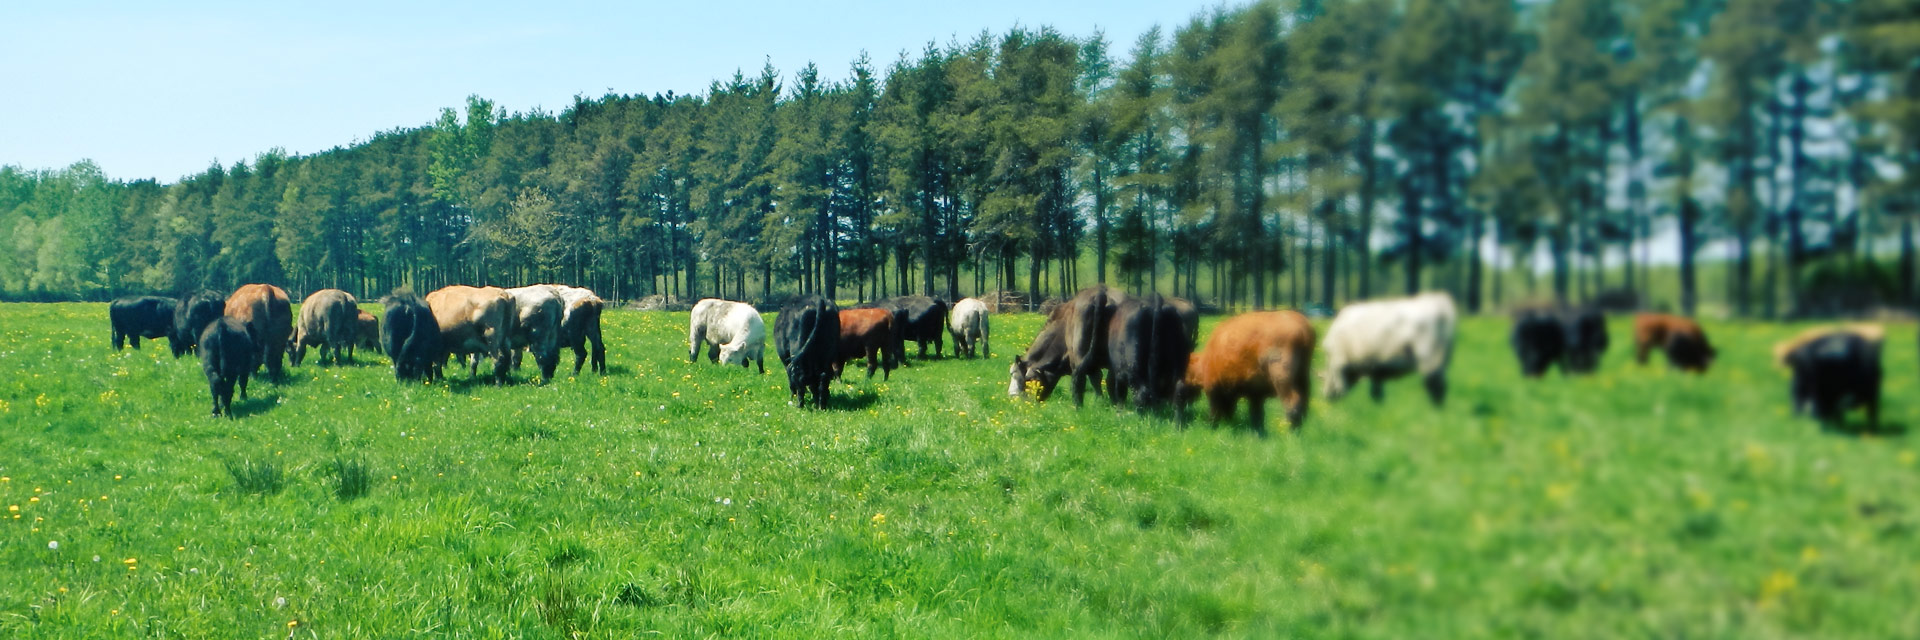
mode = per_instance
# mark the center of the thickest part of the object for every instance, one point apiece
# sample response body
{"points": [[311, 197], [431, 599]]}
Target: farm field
{"points": [[690, 500]]}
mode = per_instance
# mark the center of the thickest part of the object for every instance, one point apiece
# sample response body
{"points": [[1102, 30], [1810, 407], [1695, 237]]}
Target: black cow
{"points": [[1835, 371], [192, 316], [1082, 351], [1147, 351], [139, 317], [807, 338], [227, 355], [920, 319], [1573, 338], [412, 338]]}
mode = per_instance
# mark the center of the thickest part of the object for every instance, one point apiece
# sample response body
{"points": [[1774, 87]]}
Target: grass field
{"points": [[691, 501]]}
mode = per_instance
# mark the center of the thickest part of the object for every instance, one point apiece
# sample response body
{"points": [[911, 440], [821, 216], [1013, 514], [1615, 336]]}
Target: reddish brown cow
{"points": [[268, 316], [1260, 355], [1681, 338], [866, 333], [367, 329]]}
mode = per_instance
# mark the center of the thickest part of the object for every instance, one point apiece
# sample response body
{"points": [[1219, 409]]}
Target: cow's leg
{"points": [[1079, 388], [244, 376], [1220, 405], [600, 357], [1377, 387], [134, 339], [1437, 388], [1290, 387], [119, 340], [1257, 413]]}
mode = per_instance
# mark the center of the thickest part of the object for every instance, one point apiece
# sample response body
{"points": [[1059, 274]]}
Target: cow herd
{"points": [[238, 334], [1141, 350]]}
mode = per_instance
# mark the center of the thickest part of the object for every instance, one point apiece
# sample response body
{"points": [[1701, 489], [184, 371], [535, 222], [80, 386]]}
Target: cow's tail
{"points": [[1089, 326], [812, 333]]}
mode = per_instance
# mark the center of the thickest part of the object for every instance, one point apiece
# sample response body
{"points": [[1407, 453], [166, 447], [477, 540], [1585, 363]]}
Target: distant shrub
{"points": [[258, 478], [1836, 287], [351, 479]]}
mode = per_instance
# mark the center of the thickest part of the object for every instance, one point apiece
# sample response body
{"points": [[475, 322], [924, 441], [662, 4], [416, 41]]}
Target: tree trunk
{"points": [[1689, 288], [1473, 262], [1410, 221]]}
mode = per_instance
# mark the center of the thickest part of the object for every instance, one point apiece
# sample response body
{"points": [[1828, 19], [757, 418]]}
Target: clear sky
{"points": [[161, 90]]}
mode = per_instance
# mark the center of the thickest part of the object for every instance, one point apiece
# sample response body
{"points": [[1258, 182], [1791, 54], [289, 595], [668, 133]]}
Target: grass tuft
{"points": [[351, 479], [261, 478]]}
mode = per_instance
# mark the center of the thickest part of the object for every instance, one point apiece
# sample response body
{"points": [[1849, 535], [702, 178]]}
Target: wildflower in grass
{"points": [[879, 518], [1777, 584], [53, 545]]}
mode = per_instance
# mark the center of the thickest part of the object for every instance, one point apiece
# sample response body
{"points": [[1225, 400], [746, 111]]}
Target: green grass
{"points": [[1633, 503]]}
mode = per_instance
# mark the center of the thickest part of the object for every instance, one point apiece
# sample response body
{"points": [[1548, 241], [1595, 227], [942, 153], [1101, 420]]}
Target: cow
{"points": [[735, 330], [139, 317], [366, 330], [1573, 338], [329, 321], [1147, 351], [1681, 338], [1083, 354], [865, 333], [926, 321], [897, 355], [268, 315], [1189, 317], [1255, 356], [580, 327], [1835, 369], [475, 322], [537, 328], [969, 325], [1043, 365], [807, 336], [413, 338], [228, 356], [1384, 339], [192, 315]]}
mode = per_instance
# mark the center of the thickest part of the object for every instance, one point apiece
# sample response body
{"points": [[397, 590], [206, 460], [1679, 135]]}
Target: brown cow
{"points": [[367, 331], [866, 333], [328, 321], [268, 316], [476, 321], [1259, 355], [1684, 342], [1083, 329]]}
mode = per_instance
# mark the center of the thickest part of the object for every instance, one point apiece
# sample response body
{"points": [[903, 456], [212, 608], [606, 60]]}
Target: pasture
{"points": [[690, 500]]}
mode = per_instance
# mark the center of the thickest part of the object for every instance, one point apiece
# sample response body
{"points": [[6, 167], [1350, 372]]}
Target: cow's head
{"points": [[732, 355], [1023, 373]]}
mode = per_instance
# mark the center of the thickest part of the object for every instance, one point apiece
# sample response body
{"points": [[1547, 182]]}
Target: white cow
{"points": [[735, 330], [538, 326], [1386, 339], [580, 326], [968, 324]]}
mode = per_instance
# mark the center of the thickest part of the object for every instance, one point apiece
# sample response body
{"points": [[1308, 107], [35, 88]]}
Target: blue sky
{"points": [[154, 90]]}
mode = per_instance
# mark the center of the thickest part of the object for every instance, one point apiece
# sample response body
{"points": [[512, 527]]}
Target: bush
{"points": [[351, 479], [258, 478]]}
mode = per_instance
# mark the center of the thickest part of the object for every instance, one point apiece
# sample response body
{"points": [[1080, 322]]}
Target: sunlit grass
{"points": [[1636, 502]]}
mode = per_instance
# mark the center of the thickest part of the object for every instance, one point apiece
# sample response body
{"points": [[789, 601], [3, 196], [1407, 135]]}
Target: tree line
{"points": [[1260, 155]]}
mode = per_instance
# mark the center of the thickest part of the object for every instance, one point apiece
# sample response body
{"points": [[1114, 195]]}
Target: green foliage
{"points": [[261, 478]]}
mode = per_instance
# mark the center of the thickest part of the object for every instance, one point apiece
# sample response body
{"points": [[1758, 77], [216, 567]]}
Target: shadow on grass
{"points": [[254, 405], [1858, 429]]}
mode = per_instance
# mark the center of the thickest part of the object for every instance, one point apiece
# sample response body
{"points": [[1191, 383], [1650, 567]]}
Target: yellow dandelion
{"points": [[879, 518]]}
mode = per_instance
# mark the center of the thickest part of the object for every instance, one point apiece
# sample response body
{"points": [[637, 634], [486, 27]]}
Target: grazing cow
{"points": [[897, 355], [735, 330], [865, 333], [538, 326], [193, 315], [268, 315], [227, 355], [139, 317], [970, 328], [1683, 340], [1573, 338], [1189, 317], [1043, 365], [475, 322], [367, 332], [1083, 330], [1835, 369], [413, 338], [1147, 351], [807, 336], [1385, 339], [580, 327], [1259, 355], [329, 321], [926, 321]]}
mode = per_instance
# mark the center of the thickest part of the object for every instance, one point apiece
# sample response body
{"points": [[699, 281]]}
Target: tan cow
{"points": [[329, 321], [268, 316], [476, 322]]}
